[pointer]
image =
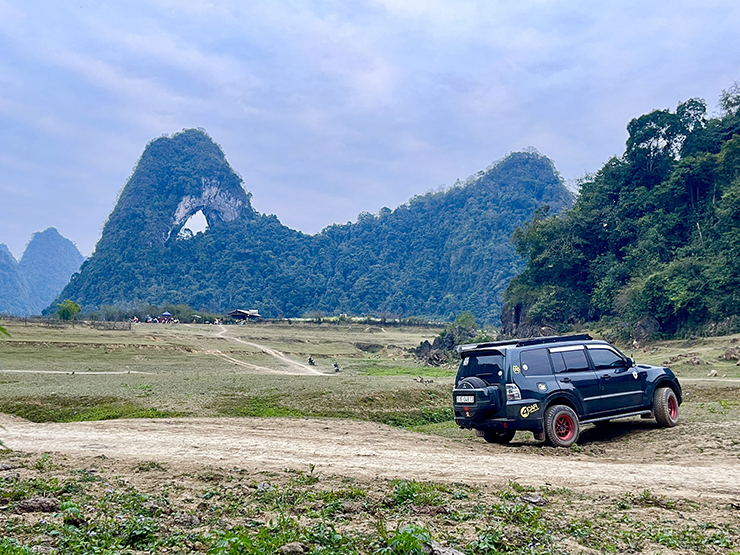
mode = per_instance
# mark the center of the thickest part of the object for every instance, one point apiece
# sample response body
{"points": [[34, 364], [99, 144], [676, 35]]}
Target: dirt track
{"points": [[363, 450]]}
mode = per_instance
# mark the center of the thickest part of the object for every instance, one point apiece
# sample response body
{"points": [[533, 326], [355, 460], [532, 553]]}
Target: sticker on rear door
{"points": [[531, 409]]}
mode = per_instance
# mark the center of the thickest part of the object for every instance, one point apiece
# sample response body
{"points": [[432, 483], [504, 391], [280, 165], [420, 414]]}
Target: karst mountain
{"points": [[31, 284], [436, 255]]}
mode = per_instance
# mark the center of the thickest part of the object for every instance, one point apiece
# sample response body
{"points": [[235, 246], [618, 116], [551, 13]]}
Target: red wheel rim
{"points": [[672, 407], [565, 427]]}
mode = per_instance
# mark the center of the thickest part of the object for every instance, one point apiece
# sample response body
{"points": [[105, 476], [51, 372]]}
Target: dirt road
{"points": [[293, 367], [362, 450]]}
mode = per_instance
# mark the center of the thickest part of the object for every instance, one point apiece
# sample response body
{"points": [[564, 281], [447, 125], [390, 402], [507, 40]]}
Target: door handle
{"points": [[606, 377], [565, 380]]}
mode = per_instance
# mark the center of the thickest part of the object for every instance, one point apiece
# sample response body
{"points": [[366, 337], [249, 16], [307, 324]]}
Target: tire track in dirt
{"points": [[363, 450], [302, 368]]}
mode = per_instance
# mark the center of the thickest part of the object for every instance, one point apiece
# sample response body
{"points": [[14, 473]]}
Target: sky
{"points": [[328, 109]]}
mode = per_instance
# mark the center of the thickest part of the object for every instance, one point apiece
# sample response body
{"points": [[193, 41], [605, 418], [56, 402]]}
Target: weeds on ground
{"points": [[230, 511], [57, 408]]}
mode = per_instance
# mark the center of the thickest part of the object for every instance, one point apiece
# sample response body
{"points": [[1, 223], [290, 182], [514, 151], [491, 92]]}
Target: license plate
{"points": [[465, 399]]}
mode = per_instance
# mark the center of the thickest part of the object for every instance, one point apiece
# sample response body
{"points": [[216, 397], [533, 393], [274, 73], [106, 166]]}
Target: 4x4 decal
{"points": [[531, 409]]}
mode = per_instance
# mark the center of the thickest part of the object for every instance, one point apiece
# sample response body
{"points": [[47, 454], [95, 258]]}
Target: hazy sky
{"points": [[328, 109]]}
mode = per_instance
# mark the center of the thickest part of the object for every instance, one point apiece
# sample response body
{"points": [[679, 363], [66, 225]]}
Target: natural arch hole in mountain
{"points": [[195, 224]]}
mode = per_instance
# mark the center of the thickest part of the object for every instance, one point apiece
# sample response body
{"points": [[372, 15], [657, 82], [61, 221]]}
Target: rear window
{"points": [[487, 366], [535, 362]]}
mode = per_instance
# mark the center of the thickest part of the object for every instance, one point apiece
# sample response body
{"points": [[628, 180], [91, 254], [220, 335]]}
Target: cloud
{"points": [[354, 104]]}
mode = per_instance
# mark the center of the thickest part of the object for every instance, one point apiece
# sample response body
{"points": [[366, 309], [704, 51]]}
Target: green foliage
{"points": [[442, 350], [654, 233], [463, 330], [406, 540], [440, 254], [416, 493], [57, 408], [9, 546], [236, 514], [68, 309]]}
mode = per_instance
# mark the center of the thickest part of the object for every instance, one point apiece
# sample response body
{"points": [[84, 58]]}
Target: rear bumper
{"points": [[488, 413], [499, 424]]}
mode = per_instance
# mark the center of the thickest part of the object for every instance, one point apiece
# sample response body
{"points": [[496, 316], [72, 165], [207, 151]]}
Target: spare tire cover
{"points": [[472, 383]]}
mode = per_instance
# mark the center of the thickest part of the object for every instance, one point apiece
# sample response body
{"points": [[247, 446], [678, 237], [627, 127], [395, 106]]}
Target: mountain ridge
{"points": [[436, 255], [28, 286]]}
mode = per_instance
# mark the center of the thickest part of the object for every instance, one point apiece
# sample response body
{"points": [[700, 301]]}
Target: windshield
{"points": [[487, 366]]}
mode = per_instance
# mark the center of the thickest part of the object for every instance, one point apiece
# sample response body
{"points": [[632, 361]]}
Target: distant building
{"points": [[240, 314]]}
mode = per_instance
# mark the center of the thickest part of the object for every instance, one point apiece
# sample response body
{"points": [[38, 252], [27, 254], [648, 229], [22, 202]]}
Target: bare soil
{"points": [[611, 461]]}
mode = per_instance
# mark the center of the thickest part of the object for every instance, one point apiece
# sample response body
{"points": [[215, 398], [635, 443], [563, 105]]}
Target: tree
{"points": [[730, 99], [68, 309], [654, 233]]}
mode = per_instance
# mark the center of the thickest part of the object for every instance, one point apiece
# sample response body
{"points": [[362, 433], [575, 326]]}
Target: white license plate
{"points": [[469, 399]]}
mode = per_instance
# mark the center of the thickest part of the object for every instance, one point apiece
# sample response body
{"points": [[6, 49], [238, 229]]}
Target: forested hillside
{"points": [[47, 264], [437, 255], [13, 289], [653, 238], [28, 286]]}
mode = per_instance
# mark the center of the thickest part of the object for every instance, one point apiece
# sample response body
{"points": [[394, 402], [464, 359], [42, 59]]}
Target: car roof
{"points": [[531, 341]]}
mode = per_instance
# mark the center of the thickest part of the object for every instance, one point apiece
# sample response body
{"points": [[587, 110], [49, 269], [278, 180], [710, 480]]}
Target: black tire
{"points": [[561, 426], [493, 436], [472, 383], [665, 406]]}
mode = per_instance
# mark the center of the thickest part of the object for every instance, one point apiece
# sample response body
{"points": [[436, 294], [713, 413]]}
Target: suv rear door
{"points": [[575, 375]]}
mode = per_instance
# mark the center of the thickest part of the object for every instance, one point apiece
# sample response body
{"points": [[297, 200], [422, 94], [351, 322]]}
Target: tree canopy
{"points": [[68, 309], [654, 234]]}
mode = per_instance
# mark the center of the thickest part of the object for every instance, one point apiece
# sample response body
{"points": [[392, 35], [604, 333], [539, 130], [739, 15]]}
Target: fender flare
{"points": [[563, 398], [665, 381]]}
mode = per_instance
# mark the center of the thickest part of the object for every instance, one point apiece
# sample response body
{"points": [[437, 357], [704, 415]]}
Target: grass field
{"points": [[82, 373], [111, 506], [62, 374]]}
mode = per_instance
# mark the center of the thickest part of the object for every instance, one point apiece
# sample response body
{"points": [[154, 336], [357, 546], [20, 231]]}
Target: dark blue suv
{"points": [[552, 385]]}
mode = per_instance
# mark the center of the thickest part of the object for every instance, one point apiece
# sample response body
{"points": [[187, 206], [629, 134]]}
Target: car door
{"points": [[621, 386], [574, 374]]}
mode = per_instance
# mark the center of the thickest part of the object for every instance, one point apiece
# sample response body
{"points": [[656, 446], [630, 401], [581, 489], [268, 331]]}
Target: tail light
{"points": [[512, 392]]}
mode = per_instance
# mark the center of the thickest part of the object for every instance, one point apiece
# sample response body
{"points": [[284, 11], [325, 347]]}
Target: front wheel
{"points": [[561, 426], [492, 436], [665, 405]]}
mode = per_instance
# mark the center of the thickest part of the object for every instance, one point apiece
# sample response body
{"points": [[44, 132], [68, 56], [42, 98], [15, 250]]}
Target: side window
{"points": [[605, 359], [575, 361], [535, 362], [558, 363]]}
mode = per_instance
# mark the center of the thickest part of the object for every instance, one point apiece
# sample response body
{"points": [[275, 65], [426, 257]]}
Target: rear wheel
{"points": [[493, 436], [561, 426], [665, 405]]}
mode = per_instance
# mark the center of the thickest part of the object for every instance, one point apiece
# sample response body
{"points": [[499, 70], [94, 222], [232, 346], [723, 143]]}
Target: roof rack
{"points": [[525, 342]]}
